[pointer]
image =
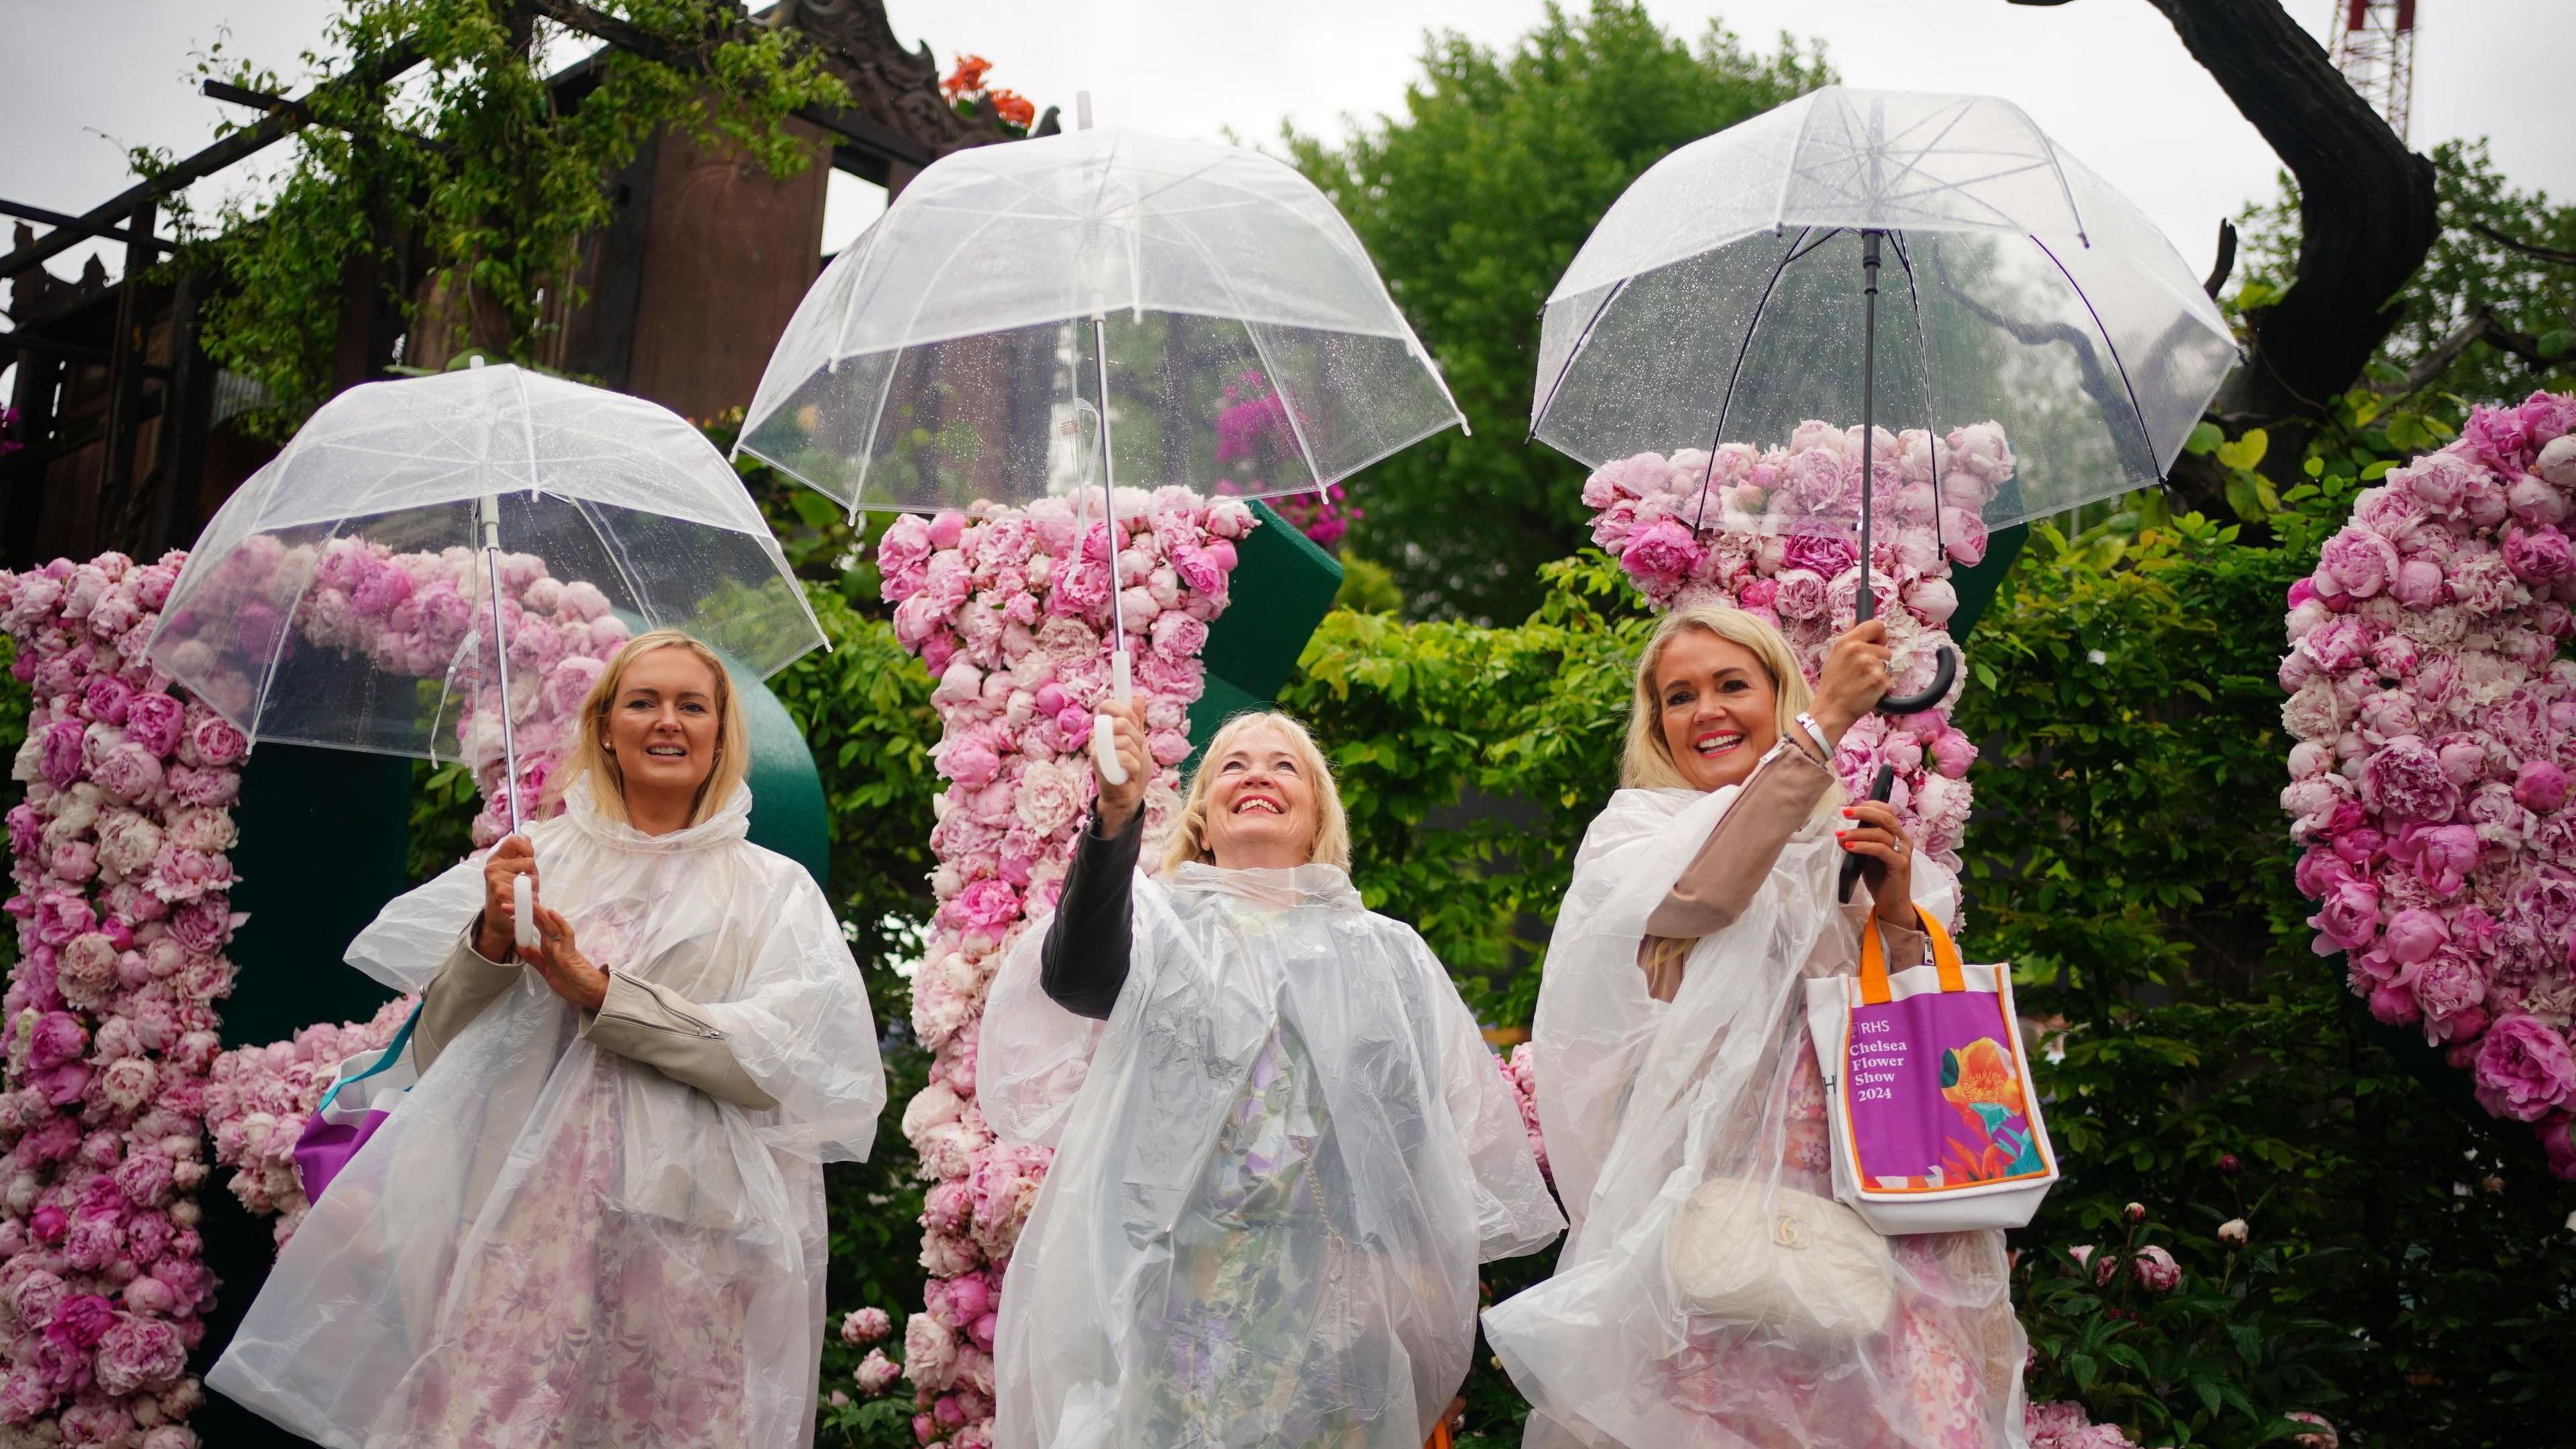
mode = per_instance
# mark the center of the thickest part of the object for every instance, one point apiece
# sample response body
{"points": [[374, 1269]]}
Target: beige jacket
{"points": [[638, 1020], [1732, 863]]}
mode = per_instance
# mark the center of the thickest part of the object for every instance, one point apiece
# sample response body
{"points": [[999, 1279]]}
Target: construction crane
{"points": [[2374, 46]]}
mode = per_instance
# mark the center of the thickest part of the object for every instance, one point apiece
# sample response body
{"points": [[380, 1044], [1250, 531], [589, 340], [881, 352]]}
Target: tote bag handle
{"points": [[392, 1054], [1873, 960]]}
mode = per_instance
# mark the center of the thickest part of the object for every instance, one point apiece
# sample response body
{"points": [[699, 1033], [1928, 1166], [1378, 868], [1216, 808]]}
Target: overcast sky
{"points": [[82, 80]]}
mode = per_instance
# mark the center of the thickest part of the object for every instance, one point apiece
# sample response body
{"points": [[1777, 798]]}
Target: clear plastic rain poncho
{"points": [[548, 1244], [1643, 1101], [1277, 1166]]}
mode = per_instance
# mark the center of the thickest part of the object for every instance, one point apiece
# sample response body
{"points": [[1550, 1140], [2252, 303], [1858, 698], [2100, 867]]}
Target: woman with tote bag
{"points": [[1712, 1294]]}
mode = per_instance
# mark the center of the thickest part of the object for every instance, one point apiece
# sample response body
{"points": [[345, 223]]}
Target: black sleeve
{"points": [[1084, 962]]}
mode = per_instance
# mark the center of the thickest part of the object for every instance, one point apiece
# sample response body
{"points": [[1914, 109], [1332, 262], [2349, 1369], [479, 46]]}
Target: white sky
{"points": [[80, 80]]}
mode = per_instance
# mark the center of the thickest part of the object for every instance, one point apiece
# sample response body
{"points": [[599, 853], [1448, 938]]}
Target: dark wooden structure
{"points": [[124, 433]]}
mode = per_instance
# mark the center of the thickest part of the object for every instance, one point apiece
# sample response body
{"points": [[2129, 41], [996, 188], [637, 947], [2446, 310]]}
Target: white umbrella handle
{"points": [[523, 913], [1104, 734]]}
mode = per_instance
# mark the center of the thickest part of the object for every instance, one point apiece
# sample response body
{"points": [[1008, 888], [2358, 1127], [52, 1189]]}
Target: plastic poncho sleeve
{"points": [[1514, 1212], [803, 1030], [1031, 1055], [410, 940]]}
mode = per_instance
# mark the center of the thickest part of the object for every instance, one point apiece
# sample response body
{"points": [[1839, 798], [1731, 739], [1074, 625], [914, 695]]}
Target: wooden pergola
{"points": [[122, 437]]}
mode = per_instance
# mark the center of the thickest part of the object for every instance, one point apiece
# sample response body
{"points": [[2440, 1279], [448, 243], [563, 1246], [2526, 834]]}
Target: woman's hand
{"points": [[567, 972], [1853, 677], [494, 929], [1119, 803], [1874, 832]]}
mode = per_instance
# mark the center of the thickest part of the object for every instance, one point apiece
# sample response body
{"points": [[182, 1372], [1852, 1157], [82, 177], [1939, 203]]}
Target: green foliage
{"points": [[2466, 271], [2407, 1274], [477, 171], [1472, 202]]}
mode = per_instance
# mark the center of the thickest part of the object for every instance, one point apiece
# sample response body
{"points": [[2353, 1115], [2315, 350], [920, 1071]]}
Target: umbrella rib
{"points": [[1305, 449], [616, 556], [2110, 346], [1575, 355], [1726, 401], [876, 414]]}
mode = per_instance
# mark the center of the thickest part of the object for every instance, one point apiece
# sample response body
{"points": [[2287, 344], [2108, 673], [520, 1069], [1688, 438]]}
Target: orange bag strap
{"points": [[1873, 959], [1439, 1437]]}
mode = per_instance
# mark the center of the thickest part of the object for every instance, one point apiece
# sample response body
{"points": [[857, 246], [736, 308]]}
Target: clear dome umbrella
{"points": [[1054, 316], [357, 592], [1914, 260]]}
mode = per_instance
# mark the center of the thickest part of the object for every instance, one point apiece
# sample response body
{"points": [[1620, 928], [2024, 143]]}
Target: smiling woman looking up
{"points": [[1282, 1147], [598, 1218]]}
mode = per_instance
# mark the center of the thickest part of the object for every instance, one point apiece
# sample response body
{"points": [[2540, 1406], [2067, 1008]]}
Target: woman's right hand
{"points": [[1853, 678], [1119, 803], [512, 858]]}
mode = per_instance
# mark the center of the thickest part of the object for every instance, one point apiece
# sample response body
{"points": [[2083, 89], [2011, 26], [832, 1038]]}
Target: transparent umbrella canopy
{"points": [[1723, 299], [957, 350], [1073, 312], [348, 594]]}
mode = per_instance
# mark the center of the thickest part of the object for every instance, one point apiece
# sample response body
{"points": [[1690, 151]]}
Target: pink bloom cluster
{"points": [[2434, 729], [1766, 531], [1325, 520], [1010, 610], [120, 858], [2066, 1426], [410, 613], [1520, 1072], [259, 1098]]}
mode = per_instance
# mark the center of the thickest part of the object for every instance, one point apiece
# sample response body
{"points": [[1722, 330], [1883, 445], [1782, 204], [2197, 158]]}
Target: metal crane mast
{"points": [[2373, 45]]}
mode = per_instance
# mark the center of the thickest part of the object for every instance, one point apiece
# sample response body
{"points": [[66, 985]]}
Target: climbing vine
{"points": [[458, 186]]}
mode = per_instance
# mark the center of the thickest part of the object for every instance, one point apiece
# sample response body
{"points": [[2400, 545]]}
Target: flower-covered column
{"points": [[1010, 611], [2435, 728], [123, 914], [1751, 552]]}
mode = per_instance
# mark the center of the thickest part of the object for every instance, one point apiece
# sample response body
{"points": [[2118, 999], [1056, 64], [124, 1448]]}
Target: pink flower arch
{"points": [[2433, 727], [1009, 609]]}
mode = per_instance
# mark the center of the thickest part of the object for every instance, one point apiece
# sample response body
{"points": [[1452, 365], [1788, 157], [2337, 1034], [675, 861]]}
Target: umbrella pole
{"points": [[1104, 747], [1865, 599], [523, 900]]}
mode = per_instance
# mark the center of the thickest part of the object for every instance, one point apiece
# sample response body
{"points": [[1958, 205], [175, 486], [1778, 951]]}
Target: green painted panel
{"points": [[787, 810], [1283, 585], [1976, 587]]}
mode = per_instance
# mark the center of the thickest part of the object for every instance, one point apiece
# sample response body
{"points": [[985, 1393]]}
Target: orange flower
{"points": [[967, 78], [1984, 1074], [1011, 106]]}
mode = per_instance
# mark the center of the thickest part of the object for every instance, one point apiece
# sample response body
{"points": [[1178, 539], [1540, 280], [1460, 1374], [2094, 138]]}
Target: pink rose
{"points": [[2405, 779], [211, 742], [1664, 550], [1178, 636], [2523, 1068], [2156, 1270], [2540, 787], [81, 1321], [988, 906], [137, 1354], [2537, 555], [61, 759], [2356, 561]]}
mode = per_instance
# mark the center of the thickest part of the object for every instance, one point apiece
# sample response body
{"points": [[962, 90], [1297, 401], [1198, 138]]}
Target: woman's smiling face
{"points": [[1718, 708], [662, 726], [1260, 804]]}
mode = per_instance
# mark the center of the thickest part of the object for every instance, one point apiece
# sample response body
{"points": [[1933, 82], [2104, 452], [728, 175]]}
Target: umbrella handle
{"points": [[1945, 672], [1104, 735], [523, 913], [1853, 865]]}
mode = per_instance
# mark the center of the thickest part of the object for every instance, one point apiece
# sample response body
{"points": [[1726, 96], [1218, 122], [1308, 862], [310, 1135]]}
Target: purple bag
{"points": [[347, 1115]]}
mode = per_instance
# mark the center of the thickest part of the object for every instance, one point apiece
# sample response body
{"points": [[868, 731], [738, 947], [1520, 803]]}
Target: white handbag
{"points": [[1759, 1252]]}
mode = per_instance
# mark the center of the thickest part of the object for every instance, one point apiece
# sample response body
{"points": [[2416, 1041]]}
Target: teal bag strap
{"points": [[392, 1054]]}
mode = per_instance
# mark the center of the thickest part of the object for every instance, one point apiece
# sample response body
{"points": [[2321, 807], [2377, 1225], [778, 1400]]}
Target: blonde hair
{"points": [[1648, 763], [590, 759], [1332, 828]]}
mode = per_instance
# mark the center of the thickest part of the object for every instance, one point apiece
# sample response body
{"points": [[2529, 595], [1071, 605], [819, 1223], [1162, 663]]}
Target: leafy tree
{"points": [[2469, 272], [1472, 203]]}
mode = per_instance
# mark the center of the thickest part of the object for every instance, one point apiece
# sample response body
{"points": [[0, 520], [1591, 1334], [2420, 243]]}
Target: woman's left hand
{"points": [[567, 972], [1874, 831]]}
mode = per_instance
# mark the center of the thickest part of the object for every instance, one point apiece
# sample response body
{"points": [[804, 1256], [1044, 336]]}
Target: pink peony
{"points": [[2523, 1069]]}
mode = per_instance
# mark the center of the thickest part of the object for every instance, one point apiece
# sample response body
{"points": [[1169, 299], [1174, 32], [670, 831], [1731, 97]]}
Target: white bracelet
{"points": [[1816, 732]]}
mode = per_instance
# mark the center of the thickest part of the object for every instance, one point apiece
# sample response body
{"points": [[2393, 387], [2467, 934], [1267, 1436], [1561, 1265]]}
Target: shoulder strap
{"points": [[392, 1053], [1873, 959]]}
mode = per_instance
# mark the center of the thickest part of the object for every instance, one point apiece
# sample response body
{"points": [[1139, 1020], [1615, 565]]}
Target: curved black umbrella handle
{"points": [[1853, 865], [1945, 672]]}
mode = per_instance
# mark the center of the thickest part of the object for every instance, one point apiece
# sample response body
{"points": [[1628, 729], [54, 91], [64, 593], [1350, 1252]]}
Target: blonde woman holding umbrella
{"points": [[598, 1218], [1673, 1053], [1282, 1147]]}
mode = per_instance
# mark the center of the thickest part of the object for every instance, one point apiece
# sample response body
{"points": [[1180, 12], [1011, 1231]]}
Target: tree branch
{"points": [[2528, 249], [2220, 269], [2368, 212], [2482, 326]]}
